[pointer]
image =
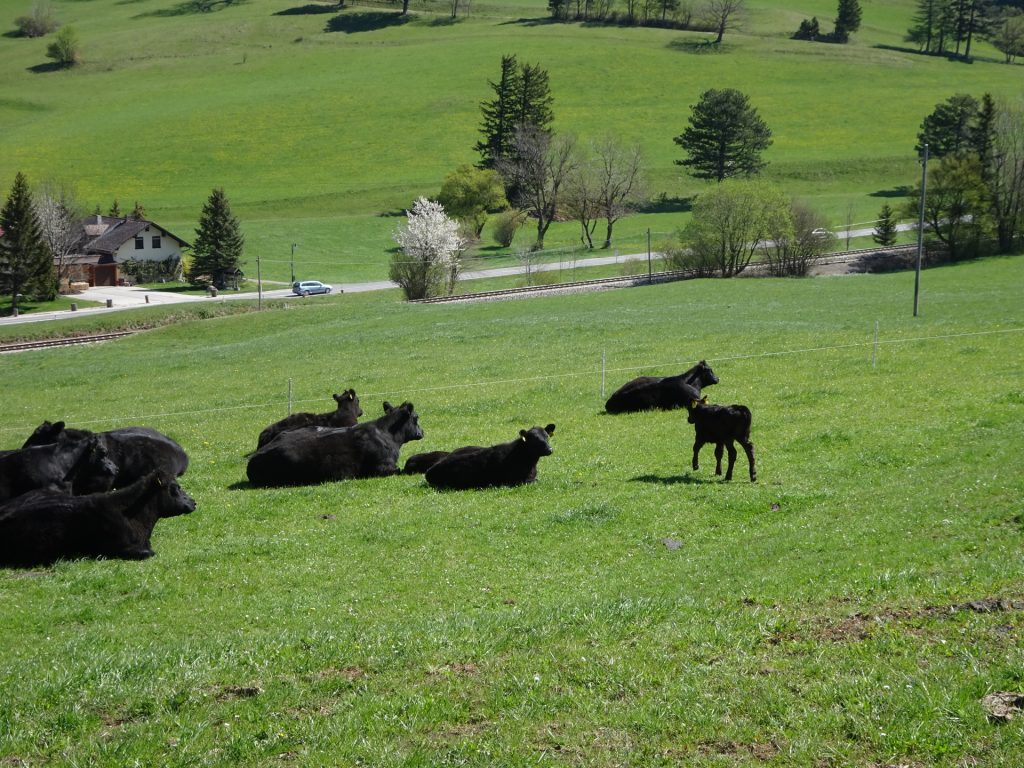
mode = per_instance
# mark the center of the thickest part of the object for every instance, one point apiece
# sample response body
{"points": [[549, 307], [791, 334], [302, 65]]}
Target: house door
{"points": [[106, 274]]}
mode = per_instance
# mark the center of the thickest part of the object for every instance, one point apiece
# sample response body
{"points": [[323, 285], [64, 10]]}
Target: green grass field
{"points": [[623, 610], [322, 126]]}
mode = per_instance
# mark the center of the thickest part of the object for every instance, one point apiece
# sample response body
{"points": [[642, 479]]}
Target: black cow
{"points": [[57, 466], [136, 451], [511, 463], [648, 393], [721, 425], [345, 415], [311, 455], [419, 463], [43, 527]]}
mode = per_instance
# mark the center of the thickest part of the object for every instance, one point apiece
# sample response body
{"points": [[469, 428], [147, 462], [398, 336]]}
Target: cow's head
{"points": [[95, 471], [405, 422], [705, 375], [46, 433], [172, 500], [348, 401], [536, 440]]}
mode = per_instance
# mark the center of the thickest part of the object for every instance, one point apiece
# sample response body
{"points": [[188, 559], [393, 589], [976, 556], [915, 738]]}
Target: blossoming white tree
{"points": [[430, 256]]}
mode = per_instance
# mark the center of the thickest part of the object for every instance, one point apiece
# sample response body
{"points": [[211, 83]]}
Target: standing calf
{"points": [[721, 425]]}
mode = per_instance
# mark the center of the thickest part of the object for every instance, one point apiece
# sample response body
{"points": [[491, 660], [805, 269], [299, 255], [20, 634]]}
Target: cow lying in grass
{"points": [[722, 425], [507, 464], [134, 451], [419, 463], [648, 393], [58, 466], [345, 415], [42, 527], [310, 455]]}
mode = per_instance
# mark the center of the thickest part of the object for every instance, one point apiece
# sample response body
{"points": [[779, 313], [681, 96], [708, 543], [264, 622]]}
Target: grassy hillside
{"points": [[317, 121], [624, 610]]}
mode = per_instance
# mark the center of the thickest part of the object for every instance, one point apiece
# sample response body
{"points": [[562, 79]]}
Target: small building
{"points": [[109, 242]]}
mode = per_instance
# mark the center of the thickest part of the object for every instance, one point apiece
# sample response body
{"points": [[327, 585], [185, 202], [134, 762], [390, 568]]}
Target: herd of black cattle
{"points": [[70, 493]]}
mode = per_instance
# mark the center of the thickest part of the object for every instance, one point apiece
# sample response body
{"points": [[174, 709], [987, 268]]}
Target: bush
{"points": [[64, 49], [153, 271], [506, 224], [39, 23]]}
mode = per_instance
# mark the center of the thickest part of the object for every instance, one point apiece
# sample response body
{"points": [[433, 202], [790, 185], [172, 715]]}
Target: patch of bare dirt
{"points": [[238, 692], [760, 751], [1004, 706]]}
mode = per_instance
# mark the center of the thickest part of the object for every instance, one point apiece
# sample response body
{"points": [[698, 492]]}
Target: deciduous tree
{"points": [[730, 223], [218, 247], [469, 194], [796, 238], [26, 265], [1003, 174], [955, 209], [620, 180], [60, 220], [539, 168], [64, 49], [725, 137], [429, 258], [722, 15]]}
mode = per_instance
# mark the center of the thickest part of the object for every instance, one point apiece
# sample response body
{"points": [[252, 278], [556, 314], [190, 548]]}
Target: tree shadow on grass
{"points": [[444, 21], [190, 8], [542, 21], [904, 190], [698, 47], [52, 66], [686, 479], [665, 204], [310, 9], [350, 23]]}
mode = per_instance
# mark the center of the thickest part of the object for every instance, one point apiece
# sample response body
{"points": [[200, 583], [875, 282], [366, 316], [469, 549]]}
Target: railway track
{"points": [[629, 280], [23, 346]]}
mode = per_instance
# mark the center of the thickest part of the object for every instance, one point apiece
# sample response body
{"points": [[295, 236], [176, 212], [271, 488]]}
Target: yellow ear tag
{"points": [[704, 400]]}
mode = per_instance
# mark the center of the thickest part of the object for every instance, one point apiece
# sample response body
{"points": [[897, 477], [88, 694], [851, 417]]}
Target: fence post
{"points": [[289, 397], [874, 348], [602, 374]]}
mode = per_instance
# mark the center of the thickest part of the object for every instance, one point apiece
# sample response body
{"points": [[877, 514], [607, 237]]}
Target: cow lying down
{"points": [[134, 451], [513, 463], [345, 415], [310, 455], [42, 527]]}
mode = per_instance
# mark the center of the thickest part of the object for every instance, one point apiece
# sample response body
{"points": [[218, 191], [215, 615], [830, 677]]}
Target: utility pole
{"points": [[920, 228], [294, 246], [259, 285]]}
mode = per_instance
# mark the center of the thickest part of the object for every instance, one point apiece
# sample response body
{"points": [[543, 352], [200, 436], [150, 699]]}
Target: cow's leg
{"points": [[697, 445], [732, 459], [749, 448], [136, 553], [719, 449]]}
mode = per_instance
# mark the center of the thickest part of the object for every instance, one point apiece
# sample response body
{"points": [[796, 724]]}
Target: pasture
{"points": [[622, 610], [323, 125]]}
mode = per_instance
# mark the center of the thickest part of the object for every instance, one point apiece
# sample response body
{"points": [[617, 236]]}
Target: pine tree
{"points": [[115, 209], [26, 265], [885, 229], [847, 19], [725, 137], [138, 212], [218, 246], [522, 97], [500, 114]]}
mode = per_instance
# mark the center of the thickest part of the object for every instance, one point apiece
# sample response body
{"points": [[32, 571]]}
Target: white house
{"points": [[109, 242]]}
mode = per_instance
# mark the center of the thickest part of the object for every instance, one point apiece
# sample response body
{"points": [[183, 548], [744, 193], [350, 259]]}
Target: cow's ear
{"points": [[550, 429], [409, 406], [522, 435], [694, 403], [350, 394], [704, 400], [388, 407], [338, 398]]}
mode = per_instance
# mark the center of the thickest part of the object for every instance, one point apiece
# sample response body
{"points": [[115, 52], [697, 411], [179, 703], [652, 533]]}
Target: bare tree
{"points": [[620, 181], [722, 15], [539, 168], [60, 218], [1004, 174], [581, 200]]}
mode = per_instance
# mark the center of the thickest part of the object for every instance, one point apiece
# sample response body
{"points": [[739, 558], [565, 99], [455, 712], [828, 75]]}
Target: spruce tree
{"points": [[26, 264], [885, 229], [115, 209], [500, 114], [535, 98], [725, 137], [219, 241], [847, 19]]}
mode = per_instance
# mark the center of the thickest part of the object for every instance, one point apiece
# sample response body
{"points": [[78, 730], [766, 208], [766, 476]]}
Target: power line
{"points": [[534, 379]]}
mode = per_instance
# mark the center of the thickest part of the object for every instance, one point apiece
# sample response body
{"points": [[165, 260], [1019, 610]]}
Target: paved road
{"points": [[130, 297]]}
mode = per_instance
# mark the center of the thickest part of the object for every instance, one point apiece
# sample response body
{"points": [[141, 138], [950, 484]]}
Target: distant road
{"points": [[130, 297]]}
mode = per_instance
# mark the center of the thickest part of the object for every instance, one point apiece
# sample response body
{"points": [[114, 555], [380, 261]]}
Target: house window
{"points": [[156, 242], [140, 243]]}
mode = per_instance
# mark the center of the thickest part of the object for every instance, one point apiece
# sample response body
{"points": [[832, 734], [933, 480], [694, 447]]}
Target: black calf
{"points": [[721, 425]]}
